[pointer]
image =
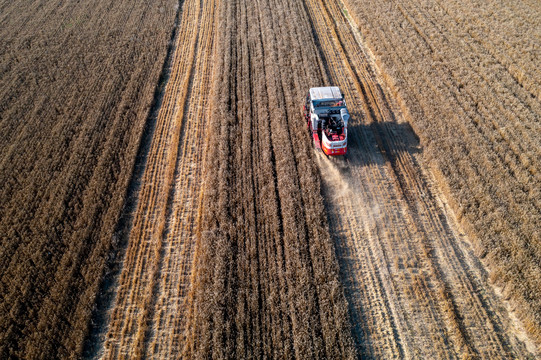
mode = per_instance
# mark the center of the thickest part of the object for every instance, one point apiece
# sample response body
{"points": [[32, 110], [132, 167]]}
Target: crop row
{"points": [[466, 79], [265, 280], [76, 86]]}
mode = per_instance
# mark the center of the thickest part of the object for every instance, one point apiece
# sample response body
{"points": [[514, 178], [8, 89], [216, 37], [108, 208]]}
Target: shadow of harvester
{"points": [[379, 142]]}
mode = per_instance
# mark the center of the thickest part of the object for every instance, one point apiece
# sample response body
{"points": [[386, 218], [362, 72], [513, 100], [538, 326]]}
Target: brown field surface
{"points": [[76, 84], [265, 278], [249, 263], [467, 78], [207, 226], [148, 316]]}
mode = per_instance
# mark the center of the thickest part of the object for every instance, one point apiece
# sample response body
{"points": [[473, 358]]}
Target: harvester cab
{"points": [[327, 117]]}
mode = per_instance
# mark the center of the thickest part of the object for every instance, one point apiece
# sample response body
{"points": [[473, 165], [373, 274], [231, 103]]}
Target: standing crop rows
{"points": [[467, 76], [76, 85], [264, 281], [236, 240], [265, 275], [414, 291]]}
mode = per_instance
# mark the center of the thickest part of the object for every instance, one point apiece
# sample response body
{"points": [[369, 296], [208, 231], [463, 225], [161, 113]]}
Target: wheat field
{"points": [[161, 196]]}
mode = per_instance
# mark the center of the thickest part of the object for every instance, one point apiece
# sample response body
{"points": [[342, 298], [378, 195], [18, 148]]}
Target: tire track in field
{"points": [[148, 315], [415, 291]]}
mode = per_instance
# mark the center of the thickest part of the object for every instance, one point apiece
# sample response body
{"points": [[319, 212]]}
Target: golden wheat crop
{"points": [[265, 275], [76, 85], [467, 77]]}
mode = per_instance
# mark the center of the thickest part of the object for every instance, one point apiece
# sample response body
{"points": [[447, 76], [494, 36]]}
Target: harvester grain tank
{"points": [[327, 119]]}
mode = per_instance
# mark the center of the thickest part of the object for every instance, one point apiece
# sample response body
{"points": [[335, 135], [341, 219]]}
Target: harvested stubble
{"points": [[76, 85], [148, 314], [467, 76], [265, 274]]}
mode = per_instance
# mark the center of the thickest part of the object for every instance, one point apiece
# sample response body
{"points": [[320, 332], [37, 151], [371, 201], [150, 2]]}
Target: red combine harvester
{"points": [[327, 118]]}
